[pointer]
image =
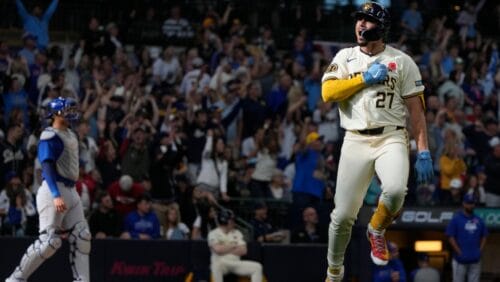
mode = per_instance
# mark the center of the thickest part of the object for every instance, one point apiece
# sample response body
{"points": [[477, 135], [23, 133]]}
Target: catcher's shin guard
{"points": [[79, 242], [43, 248]]}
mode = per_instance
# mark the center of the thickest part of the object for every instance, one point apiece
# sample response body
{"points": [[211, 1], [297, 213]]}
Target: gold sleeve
{"points": [[336, 90]]}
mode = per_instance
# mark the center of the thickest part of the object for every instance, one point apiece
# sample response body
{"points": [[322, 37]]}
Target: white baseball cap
{"points": [[125, 182], [456, 183], [495, 141]]}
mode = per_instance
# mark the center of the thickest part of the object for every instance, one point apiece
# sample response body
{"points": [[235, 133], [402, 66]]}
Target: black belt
{"points": [[376, 131]]}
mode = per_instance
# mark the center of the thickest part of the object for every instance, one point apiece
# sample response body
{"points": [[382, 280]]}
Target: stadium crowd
{"points": [[170, 134]]}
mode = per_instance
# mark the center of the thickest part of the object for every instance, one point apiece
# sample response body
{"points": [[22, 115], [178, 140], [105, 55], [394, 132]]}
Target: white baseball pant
{"points": [[222, 267], [387, 155]]}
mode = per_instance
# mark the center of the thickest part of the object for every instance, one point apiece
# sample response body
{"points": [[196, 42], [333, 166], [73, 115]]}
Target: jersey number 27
{"points": [[382, 97]]}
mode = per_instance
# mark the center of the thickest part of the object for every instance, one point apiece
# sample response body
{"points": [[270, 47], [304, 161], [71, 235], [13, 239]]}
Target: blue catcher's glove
{"points": [[424, 168], [375, 73]]}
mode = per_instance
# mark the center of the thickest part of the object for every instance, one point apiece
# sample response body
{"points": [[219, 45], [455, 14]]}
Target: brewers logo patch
{"points": [[333, 67]]}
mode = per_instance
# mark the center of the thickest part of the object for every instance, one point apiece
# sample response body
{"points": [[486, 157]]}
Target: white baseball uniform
{"points": [[229, 263], [62, 148], [383, 150]]}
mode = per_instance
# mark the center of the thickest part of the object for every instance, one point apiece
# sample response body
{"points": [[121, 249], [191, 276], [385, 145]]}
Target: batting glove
{"points": [[424, 168], [375, 74]]}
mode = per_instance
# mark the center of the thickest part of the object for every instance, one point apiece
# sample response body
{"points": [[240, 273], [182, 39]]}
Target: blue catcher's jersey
{"points": [[61, 147]]}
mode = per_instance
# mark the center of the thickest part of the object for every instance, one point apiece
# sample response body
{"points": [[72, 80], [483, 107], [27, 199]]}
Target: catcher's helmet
{"points": [[224, 216], [65, 107], [376, 12]]}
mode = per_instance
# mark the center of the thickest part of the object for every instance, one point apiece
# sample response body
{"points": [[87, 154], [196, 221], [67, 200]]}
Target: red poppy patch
{"points": [[392, 66]]}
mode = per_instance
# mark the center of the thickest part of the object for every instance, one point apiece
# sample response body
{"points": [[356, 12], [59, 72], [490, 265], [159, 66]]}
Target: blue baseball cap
{"points": [[469, 199], [10, 175]]}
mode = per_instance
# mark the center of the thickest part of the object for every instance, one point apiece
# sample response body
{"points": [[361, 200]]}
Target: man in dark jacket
{"points": [[104, 222]]}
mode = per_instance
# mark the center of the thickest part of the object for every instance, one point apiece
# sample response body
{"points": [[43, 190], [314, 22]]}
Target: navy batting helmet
{"points": [[375, 12], [65, 107], [224, 216]]}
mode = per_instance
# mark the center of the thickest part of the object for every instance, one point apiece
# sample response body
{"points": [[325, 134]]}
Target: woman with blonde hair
{"points": [[452, 168], [174, 228]]}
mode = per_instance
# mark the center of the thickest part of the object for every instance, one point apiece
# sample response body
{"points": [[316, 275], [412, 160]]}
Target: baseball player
{"points": [[59, 206], [227, 246], [375, 86]]}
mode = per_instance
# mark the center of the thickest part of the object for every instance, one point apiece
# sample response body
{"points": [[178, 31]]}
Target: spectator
{"points": [[108, 164], [265, 164], [17, 208], [467, 19], [327, 117], [450, 62], [450, 88], [93, 38], [176, 27], [29, 48], [167, 69], [249, 144], [479, 136], [254, 110], [394, 270], [412, 24], [227, 111], [86, 188], [475, 188], [474, 93], [167, 164], [277, 100], [112, 42], [263, 230], [212, 180], [302, 50], [104, 221], [205, 221], [196, 140], [135, 155], [36, 70], [174, 228], [37, 23], [266, 42], [308, 184], [452, 168], [227, 246], [210, 42], [12, 155], [196, 80], [142, 223], [279, 188], [16, 98], [113, 112], [125, 194], [87, 148], [492, 167], [467, 236], [311, 231], [425, 272], [5, 60], [312, 86]]}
